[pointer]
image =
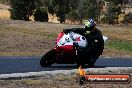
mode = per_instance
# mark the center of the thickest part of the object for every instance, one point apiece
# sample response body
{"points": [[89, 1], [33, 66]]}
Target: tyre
{"points": [[48, 59], [80, 62]]}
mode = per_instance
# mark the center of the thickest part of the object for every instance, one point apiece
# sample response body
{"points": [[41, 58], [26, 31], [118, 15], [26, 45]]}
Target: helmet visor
{"points": [[87, 24]]}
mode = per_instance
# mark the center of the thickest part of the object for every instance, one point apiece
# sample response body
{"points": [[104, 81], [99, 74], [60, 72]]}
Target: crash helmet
{"points": [[90, 25]]}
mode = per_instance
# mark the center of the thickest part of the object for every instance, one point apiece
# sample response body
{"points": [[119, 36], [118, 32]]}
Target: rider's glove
{"points": [[75, 44]]}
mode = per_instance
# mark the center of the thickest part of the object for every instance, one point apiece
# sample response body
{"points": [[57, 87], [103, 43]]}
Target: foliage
{"points": [[67, 9], [51, 9], [113, 13], [4, 1], [61, 8], [116, 1], [72, 15], [127, 18], [41, 15], [87, 9], [23, 9]]}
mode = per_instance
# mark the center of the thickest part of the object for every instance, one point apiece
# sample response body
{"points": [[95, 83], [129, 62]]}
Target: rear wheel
{"points": [[48, 59], [80, 61]]}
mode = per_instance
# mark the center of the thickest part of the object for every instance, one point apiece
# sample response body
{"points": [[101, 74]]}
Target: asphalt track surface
{"points": [[31, 64]]}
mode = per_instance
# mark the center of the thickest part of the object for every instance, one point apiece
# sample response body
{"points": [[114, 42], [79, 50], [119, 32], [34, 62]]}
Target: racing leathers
{"points": [[95, 44]]}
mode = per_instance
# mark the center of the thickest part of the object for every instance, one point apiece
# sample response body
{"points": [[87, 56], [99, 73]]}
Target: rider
{"points": [[94, 38]]}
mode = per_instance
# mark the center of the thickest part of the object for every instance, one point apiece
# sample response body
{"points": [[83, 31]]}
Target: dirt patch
{"points": [[13, 42]]}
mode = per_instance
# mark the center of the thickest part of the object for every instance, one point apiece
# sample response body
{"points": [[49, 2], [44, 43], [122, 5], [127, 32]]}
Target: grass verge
{"points": [[120, 45]]}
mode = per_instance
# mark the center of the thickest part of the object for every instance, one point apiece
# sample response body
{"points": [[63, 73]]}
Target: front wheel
{"points": [[48, 59]]}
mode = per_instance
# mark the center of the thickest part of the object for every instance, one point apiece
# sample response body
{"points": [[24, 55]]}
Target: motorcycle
{"points": [[65, 50]]}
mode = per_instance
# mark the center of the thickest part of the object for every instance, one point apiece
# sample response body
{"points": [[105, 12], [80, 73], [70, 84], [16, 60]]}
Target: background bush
{"points": [[77, 10], [41, 14], [127, 18]]}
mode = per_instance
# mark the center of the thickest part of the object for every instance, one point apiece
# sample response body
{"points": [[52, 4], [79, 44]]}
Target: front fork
{"points": [[76, 51], [76, 47]]}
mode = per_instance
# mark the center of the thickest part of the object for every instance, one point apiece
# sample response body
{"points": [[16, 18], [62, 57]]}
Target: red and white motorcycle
{"points": [[64, 51]]}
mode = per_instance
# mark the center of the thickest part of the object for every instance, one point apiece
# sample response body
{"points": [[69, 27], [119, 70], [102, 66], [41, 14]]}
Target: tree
{"points": [[4, 1], [113, 12], [41, 15], [23, 9], [74, 4], [87, 9], [61, 8], [100, 4], [127, 18], [72, 15], [51, 9]]}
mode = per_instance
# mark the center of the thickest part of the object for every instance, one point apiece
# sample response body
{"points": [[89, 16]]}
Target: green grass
{"points": [[120, 45]]}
